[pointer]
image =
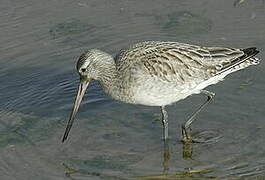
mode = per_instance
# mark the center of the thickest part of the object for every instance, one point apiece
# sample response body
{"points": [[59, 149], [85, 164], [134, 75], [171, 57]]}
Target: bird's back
{"points": [[165, 68], [168, 59]]}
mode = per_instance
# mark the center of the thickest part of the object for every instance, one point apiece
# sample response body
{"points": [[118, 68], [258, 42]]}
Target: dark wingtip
{"points": [[250, 51]]}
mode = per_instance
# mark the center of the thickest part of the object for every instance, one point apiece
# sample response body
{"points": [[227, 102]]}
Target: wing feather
{"points": [[172, 60]]}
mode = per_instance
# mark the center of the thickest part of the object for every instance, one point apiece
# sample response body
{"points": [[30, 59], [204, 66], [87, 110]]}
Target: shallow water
{"points": [[40, 43]]}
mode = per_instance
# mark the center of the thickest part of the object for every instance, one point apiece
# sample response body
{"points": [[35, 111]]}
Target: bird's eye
{"points": [[83, 69]]}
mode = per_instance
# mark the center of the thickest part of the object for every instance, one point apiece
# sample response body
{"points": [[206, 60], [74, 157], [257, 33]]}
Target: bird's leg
{"points": [[164, 122], [186, 130], [166, 156]]}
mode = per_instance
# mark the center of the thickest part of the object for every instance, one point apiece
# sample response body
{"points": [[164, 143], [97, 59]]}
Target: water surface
{"points": [[40, 43]]}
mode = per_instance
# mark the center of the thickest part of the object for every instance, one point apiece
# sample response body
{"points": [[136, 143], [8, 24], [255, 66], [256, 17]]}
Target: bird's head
{"points": [[90, 65]]}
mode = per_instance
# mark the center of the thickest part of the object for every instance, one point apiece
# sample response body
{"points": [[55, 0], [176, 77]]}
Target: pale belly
{"points": [[157, 93], [161, 94], [152, 91]]}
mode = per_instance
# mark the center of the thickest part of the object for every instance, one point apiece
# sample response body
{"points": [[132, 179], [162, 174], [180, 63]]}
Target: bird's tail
{"points": [[247, 59], [254, 60], [250, 53]]}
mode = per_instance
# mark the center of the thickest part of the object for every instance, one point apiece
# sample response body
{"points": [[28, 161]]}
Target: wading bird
{"points": [[155, 73]]}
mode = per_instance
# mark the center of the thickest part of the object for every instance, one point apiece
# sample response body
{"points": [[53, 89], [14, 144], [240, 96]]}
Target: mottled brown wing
{"points": [[182, 62]]}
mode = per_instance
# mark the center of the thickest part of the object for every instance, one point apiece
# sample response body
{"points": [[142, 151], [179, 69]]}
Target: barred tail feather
{"points": [[243, 61], [254, 60]]}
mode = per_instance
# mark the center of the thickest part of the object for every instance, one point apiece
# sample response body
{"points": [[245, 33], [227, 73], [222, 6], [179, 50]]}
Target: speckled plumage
{"points": [[158, 73]]}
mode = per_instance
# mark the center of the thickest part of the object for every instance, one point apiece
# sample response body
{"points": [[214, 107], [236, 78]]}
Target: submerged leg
{"points": [[164, 122], [166, 156], [186, 130]]}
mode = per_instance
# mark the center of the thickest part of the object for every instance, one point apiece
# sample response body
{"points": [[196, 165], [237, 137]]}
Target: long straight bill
{"points": [[81, 91]]}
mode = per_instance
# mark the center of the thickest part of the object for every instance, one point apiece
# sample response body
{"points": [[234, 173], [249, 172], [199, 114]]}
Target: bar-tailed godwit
{"points": [[158, 73]]}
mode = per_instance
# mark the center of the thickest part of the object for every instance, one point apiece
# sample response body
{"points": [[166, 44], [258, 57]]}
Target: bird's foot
{"points": [[186, 135]]}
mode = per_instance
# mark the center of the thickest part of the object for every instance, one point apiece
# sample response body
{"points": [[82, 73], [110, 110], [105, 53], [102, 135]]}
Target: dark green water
{"points": [[40, 43]]}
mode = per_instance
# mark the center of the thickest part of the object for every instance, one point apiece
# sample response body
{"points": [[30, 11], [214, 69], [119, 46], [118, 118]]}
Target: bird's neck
{"points": [[109, 77]]}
